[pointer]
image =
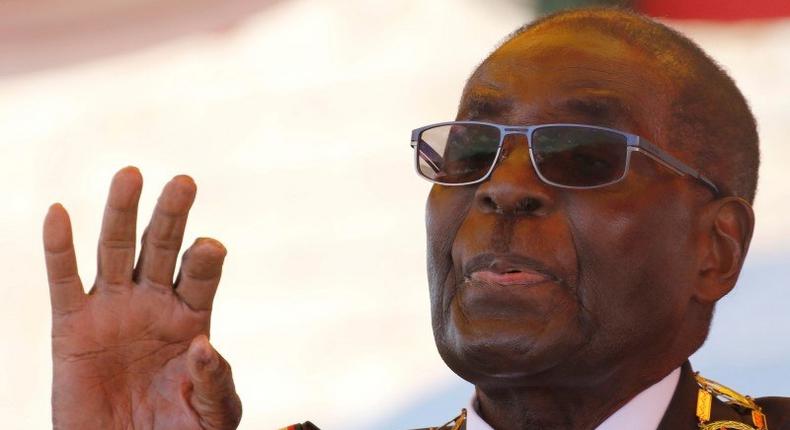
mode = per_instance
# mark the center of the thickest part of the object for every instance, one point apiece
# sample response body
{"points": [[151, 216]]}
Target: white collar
{"points": [[644, 411]]}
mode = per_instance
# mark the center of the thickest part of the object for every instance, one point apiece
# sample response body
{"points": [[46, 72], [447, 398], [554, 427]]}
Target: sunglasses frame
{"points": [[634, 143]]}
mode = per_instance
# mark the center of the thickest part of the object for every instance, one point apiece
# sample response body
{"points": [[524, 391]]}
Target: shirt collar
{"points": [[644, 411]]}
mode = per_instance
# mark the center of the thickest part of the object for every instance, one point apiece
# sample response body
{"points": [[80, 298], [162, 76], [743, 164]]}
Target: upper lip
{"points": [[505, 263]]}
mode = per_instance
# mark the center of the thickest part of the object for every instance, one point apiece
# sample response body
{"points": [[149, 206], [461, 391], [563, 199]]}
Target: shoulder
{"points": [[777, 411], [458, 423]]}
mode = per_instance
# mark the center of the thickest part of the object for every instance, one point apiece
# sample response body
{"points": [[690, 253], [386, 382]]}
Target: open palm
{"points": [[133, 353]]}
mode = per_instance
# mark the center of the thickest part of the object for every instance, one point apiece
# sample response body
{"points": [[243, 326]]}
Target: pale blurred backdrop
{"points": [[294, 117]]}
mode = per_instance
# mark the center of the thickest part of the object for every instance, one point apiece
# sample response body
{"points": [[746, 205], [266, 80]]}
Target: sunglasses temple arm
{"points": [[673, 163], [427, 154]]}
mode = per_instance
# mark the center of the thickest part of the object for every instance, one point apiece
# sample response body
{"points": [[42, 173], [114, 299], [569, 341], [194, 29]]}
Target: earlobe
{"points": [[727, 229]]}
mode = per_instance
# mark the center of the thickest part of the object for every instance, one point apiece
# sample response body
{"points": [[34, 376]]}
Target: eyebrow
{"points": [[600, 109], [603, 109], [486, 105]]}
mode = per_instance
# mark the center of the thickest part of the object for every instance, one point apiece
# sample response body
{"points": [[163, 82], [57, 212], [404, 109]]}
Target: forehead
{"points": [[568, 75]]}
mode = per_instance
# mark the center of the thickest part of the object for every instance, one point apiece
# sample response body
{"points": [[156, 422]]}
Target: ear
{"points": [[725, 233]]}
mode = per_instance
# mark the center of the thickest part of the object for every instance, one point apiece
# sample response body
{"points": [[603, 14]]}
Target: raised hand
{"points": [[133, 353]]}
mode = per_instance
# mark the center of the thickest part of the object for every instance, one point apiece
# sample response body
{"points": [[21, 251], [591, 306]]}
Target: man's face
{"points": [[531, 282]]}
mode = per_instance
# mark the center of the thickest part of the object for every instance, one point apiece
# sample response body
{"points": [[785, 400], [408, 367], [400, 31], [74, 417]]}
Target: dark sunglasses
{"points": [[564, 155]]}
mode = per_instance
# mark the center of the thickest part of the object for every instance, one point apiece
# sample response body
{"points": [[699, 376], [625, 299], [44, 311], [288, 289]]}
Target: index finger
{"points": [[65, 287]]}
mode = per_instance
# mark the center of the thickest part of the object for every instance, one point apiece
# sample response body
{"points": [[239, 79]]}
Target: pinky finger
{"points": [[201, 269], [65, 287]]}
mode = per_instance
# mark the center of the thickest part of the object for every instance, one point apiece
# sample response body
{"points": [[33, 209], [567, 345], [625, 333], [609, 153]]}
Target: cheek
{"points": [[634, 265], [445, 212]]}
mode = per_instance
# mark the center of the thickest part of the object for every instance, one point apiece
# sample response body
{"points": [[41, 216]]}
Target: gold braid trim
{"points": [[721, 425], [458, 421], [709, 389]]}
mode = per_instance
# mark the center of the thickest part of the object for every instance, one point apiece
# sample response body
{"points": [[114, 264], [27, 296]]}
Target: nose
{"points": [[514, 188]]}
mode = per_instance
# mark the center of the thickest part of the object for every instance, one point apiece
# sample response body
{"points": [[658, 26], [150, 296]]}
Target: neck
{"points": [[566, 407], [581, 402]]}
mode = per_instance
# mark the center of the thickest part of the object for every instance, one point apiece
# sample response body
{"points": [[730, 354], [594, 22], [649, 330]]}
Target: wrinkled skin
{"points": [[633, 268], [134, 353]]}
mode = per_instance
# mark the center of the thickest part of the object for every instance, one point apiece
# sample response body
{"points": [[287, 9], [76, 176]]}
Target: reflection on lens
{"points": [[579, 156], [457, 153]]}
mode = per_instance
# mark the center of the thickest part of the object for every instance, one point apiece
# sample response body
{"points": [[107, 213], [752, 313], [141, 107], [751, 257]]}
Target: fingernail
{"points": [[127, 170], [184, 179], [214, 243]]}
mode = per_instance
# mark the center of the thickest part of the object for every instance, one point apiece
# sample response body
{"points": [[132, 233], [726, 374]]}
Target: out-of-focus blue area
{"points": [[748, 346], [747, 349]]}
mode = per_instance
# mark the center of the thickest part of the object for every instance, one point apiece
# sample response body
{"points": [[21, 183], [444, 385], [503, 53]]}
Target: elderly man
{"points": [[591, 205]]}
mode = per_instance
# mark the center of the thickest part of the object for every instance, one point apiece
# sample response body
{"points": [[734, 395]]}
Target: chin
{"points": [[511, 351]]}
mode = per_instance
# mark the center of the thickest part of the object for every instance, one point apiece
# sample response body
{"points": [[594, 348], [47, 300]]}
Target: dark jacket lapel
{"points": [[681, 413]]}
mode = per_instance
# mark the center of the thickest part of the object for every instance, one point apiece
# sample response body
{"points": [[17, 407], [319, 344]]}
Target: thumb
{"points": [[213, 397]]}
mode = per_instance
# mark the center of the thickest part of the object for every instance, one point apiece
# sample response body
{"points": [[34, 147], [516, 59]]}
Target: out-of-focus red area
{"points": [[722, 10]]}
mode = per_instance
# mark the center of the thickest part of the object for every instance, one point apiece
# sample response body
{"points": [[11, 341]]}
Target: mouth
{"points": [[509, 278], [506, 270]]}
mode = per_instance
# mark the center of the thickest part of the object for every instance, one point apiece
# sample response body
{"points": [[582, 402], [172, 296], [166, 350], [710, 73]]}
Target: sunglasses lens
{"points": [[457, 153], [579, 156]]}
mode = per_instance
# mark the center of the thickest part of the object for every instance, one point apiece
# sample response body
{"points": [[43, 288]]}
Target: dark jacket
{"points": [[681, 413]]}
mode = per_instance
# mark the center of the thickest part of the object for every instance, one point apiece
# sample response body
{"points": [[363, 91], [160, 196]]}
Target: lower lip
{"points": [[510, 296], [509, 279]]}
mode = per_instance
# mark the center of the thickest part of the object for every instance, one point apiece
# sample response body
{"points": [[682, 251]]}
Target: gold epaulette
{"points": [[708, 389], [453, 424]]}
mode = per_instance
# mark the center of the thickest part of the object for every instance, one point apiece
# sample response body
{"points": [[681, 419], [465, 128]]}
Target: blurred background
{"points": [[293, 116]]}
